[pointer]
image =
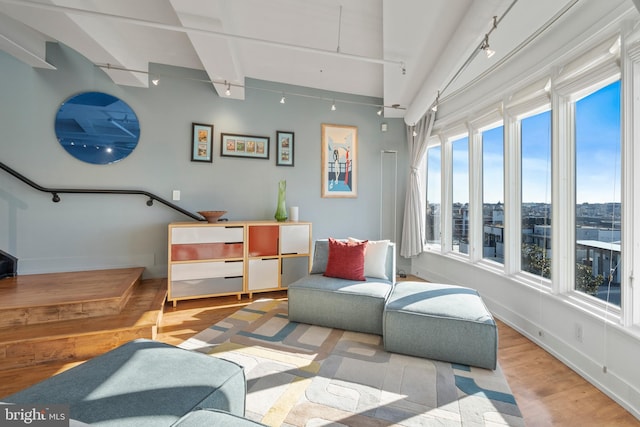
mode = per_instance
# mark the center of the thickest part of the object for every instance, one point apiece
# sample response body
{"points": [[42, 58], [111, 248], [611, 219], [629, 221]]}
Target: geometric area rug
{"points": [[305, 375]]}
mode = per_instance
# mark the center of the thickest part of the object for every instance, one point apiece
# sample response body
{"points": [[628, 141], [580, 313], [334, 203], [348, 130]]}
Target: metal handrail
{"points": [[56, 191]]}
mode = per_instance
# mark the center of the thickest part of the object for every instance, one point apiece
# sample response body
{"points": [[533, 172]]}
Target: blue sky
{"points": [[597, 155], [536, 158], [598, 146]]}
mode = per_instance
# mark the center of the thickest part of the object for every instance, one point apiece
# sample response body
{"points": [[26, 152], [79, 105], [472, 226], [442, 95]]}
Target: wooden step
{"points": [[82, 338], [42, 298]]}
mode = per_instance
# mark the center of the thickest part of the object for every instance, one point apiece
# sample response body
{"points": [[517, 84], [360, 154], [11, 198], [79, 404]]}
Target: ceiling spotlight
{"points": [[282, 100], [333, 107], [379, 112], [155, 81], [490, 52], [228, 91], [485, 46], [415, 133], [434, 108]]}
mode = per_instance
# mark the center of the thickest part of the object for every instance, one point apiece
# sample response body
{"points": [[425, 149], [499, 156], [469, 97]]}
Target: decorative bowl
{"points": [[212, 216]]}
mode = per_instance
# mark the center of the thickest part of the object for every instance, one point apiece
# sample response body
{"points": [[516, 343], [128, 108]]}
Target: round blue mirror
{"points": [[97, 128]]}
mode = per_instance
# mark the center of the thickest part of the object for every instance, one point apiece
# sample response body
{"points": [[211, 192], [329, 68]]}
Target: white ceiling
{"points": [[402, 51]]}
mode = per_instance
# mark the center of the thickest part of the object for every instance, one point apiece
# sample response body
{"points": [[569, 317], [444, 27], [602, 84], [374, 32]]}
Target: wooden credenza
{"points": [[235, 258]]}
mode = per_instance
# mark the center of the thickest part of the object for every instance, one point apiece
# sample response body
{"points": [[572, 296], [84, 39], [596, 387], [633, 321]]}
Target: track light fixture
{"points": [[485, 46], [434, 108], [485, 43], [333, 106], [379, 112], [228, 91], [155, 81], [282, 100]]}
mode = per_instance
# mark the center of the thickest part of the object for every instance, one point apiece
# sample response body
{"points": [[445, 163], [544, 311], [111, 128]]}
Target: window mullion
{"points": [[562, 194], [630, 182], [512, 194], [446, 212], [475, 194]]}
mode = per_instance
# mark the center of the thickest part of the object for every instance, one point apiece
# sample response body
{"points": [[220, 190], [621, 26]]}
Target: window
{"points": [[432, 231], [460, 183], [493, 194], [535, 140], [598, 194]]}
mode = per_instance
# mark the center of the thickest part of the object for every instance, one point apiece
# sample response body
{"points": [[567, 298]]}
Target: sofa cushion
{"points": [[375, 257], [321, 256], [339, 303], [346, 260]]}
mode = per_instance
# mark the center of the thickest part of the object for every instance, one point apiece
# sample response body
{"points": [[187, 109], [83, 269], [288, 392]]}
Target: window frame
{"points": [[555, 89]]}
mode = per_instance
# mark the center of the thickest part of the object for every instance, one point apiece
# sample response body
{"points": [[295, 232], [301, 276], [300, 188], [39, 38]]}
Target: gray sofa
{"points": [[146, 383], [435, 321], [339, 303]]}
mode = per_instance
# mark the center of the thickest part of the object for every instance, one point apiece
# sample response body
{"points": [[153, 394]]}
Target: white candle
{"points": [[293, 213]]}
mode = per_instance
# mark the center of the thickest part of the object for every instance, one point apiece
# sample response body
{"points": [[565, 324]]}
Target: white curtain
{"points": [[414, 220]]}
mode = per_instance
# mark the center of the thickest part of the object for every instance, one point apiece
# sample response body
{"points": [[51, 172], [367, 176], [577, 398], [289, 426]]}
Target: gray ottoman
{"points": [[442, 322], [142, 383]]}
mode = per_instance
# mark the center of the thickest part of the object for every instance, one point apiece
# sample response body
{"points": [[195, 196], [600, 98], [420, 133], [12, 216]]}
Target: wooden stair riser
{"points": [[22, 354]]}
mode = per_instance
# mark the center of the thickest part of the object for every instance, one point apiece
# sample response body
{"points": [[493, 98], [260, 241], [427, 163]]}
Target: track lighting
{"points": [[434, 108], [485, 43], [485, 46], [155, 79]]}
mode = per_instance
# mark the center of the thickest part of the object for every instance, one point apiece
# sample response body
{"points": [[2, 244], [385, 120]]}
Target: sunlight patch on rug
{"points": [[305, 375]]}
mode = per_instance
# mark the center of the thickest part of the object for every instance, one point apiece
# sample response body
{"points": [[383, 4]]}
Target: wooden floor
{"points": [[548, 393]]}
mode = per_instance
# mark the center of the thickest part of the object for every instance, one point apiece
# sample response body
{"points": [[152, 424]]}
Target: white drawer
{"points": [[294, 239], [207, 234], [263, 273], [202, 270]]}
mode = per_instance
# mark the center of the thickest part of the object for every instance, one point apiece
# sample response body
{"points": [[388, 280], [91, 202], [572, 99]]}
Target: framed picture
{"points": [[284, 148], [201, 142], [339, 160], [254, 147]]}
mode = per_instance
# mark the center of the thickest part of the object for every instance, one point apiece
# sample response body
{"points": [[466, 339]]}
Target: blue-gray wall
{"points": [[107, 231]]}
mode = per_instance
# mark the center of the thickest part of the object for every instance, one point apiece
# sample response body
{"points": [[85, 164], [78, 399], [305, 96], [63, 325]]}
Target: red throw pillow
{"points": [[346, 260]]}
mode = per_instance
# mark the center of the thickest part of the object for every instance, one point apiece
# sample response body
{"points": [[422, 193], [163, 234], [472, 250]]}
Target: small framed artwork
{"points": [[251, 146], [284, 148], [201, 142], [339, 160]]}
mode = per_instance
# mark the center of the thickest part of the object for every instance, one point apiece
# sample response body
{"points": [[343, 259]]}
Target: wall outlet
{"points": [[577, 332]]}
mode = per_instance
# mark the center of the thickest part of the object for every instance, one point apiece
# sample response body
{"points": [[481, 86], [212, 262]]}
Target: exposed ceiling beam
{"points": [[179, 28], [23, 43]]}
